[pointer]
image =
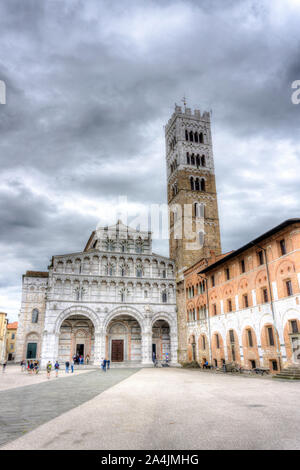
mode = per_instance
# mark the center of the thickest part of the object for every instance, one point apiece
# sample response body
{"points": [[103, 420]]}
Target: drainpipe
{"points": [[271, 302], [208, 318]]}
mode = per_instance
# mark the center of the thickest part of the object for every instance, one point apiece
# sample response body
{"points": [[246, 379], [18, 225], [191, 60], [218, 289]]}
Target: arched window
{"points": [[192, 183], [201, 138], [202, 184], [198, 209], [139, 271], [192, 159], [198, 161], [186, 135], [191, 136], [203, 160], [164, 297], [188, 158], [197, 184], [35, 315], [196, 137]]}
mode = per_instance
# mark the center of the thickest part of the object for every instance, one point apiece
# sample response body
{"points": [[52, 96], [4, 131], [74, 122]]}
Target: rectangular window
{"points": [[229, 303], [282, 247], [231, 336], [246, 302], [271, 336], [260, 256], [265, 295], [289, 288], [214, 309], [243, 269], [250, 340], [213, 281], [227, 274], [233, 353], [294, 326], [13, 336]]}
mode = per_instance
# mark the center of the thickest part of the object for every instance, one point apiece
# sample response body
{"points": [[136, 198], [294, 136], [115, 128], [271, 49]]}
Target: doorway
{"points": [[80, 350], [117, 350], [31, 351], [153, 351]]}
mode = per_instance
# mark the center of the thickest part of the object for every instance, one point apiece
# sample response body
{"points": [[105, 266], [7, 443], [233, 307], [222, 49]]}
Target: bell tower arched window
{"points": [[35, 315]]}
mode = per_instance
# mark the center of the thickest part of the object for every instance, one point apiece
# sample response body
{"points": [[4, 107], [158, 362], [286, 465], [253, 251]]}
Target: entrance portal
{"points": [[80, 350], [161, 344], [76, 338], [124, 340], [117, 350]]}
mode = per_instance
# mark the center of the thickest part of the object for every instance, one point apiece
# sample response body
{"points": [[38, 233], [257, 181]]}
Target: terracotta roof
{"points": [[37, 274], [12, 326]]}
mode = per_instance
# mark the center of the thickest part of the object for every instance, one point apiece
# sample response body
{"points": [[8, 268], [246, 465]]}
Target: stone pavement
{"points": [[172, 409], [24, 408], [14, 378]]}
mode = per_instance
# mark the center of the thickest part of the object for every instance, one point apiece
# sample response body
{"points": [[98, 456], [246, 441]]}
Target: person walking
{"points": [[48, 368], [31, 367], [56, 367], [3, 366], [23, 365], [104, 365], [72, 367], [108, 364], [36, 367], [67, 367]]}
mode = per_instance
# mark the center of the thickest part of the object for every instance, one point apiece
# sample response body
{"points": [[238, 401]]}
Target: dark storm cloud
{"points": [[90, 86]]}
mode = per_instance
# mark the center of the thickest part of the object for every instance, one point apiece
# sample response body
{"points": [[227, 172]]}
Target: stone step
{"points": [[289, 373]]}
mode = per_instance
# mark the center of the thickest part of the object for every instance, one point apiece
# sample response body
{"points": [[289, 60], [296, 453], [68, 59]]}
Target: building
{"points": [[11, 338], [192, 200], [3, 326], [244, 306], [115, 299]]}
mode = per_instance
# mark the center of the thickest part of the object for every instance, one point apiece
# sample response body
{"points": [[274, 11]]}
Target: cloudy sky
{"points": [[90, 85]]}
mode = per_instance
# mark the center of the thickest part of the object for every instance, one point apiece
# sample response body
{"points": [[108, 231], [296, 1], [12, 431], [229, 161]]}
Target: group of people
{"points": [[68, 366], [31, 366], [79, 359]]}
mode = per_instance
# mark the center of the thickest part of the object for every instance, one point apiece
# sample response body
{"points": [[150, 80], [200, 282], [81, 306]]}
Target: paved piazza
{"points": [[165, 409]]}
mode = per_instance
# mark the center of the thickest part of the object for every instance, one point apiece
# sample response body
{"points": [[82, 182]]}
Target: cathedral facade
{"points": [[115, 299]]}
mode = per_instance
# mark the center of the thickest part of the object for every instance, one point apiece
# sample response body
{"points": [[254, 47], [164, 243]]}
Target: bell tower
{"points": [[192, 199]]}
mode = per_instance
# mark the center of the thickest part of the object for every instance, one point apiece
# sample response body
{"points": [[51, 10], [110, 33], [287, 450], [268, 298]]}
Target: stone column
{"points": [[147, 347], [174, 346], [49, 348], [99, 346]]}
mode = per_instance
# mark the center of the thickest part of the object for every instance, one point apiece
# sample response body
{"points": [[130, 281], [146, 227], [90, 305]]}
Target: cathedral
{"points": [[119, 300]]}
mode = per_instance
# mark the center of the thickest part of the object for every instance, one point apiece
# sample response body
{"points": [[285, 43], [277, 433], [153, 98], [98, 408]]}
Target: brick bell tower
{"points": [[192, 199]]}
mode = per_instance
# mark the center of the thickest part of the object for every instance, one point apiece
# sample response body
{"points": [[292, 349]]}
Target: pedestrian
{"points": [[108, 364], [36, 367], [67, 367], [49, 368], [23, 365], [56, 367], [3, 366], [153, 357], [87, 359], [31, 367], [72, 366], [104, 365]]}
